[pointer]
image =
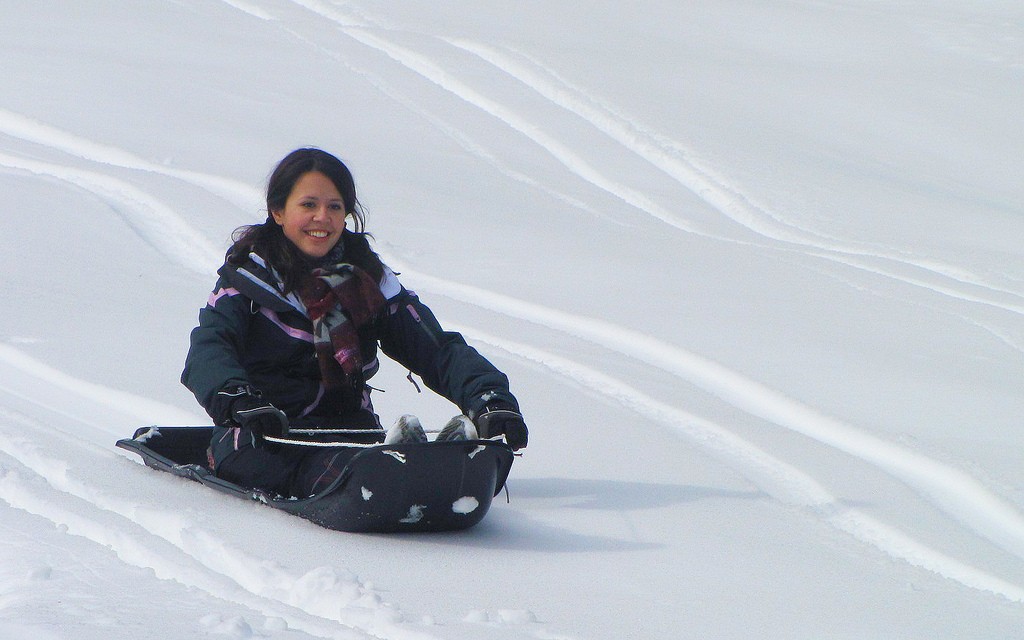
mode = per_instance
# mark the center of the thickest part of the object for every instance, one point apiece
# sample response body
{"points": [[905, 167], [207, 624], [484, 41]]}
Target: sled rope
{"points": [[308, 443]]}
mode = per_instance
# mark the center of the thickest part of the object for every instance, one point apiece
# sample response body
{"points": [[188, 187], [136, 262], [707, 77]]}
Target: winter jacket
{"points": [[250, 332]]}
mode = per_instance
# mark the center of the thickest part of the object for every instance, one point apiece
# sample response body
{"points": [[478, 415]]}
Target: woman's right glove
{"points": [[501, 418], [243, 406]]}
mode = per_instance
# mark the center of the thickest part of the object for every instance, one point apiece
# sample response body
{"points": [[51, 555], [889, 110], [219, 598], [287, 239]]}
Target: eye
{"points": [[336, 206], [308, 204]]}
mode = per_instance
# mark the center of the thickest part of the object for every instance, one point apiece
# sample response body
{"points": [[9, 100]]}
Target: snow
{"points": [[415, 514], [465, 504], [753, 269]]}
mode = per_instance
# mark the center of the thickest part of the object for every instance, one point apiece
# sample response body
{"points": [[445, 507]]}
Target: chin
{"points": [[318, 251]]}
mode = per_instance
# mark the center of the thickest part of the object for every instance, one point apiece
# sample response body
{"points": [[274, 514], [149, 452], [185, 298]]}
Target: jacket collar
{"points": [[259, 282]]}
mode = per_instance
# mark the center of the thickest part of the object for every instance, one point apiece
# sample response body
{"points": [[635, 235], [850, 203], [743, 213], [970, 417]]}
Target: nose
{"points": [[320, 213]]}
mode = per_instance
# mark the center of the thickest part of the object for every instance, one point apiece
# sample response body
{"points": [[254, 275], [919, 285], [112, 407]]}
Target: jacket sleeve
{"points": [[213, 359], [412, 336]]}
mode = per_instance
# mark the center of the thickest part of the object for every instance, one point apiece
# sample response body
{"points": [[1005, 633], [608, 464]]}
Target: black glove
{"points": [[502, 419], [243, 406]]}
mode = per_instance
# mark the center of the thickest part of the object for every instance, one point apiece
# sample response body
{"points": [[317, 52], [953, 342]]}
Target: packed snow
{"points": [[754, 270]]}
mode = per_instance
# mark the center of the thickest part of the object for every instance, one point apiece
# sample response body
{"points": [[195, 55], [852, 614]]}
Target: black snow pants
{"points": [[286, 470]]}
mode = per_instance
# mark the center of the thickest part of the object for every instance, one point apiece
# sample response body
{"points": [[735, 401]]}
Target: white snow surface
{"points": [[754, 270]]}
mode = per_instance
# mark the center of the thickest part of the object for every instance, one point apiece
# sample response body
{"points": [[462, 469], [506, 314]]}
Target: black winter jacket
{"points": [[251, 333]]}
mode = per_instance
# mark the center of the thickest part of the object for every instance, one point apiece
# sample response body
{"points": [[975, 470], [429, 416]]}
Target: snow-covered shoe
{"points": [[407, 429], [458, 428]]}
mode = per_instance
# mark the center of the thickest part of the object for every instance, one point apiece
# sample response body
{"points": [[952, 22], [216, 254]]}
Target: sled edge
{"points": [[334, 507]]}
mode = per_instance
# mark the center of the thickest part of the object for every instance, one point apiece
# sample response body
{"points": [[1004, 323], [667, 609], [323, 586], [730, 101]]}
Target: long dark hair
{"points": [[268, 239]]}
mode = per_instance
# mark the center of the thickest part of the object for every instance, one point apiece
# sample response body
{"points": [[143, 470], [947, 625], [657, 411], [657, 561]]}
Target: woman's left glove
{"points": [[502, 419]]}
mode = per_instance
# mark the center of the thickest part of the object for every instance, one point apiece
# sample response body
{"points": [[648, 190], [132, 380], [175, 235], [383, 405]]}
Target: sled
{"points": [[433, 486]]}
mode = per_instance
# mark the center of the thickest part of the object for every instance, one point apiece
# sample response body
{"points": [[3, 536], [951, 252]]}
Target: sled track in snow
{"points": [[153, 219], [154, 222], [16, 125], [672, 159], [57, 475], [776, 478], [951, 490], [956, 493], [666, 156], [457, 135], [142, 409], [190, 560], [164, 229]]}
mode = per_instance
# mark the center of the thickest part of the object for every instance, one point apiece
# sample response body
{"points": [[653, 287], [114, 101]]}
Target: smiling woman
{"points": [[313, 217], [309, 192], [289, 337]]}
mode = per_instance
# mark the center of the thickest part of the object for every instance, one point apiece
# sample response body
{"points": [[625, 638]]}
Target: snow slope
{"points": [[754, 269]]}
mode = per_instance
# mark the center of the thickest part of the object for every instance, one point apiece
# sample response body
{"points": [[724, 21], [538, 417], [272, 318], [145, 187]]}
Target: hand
{"points": [[496, 420], [246, 408]]}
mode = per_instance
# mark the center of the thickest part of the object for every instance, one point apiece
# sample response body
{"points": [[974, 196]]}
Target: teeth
{"points": [[318, 234]]}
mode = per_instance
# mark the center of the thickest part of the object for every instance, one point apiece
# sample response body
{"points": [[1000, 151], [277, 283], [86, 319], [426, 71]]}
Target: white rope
{"points": [[311, 443], [357, 445], [315, 431]]}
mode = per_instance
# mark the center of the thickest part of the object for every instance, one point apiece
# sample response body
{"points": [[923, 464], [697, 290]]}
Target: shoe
{"points": [[458, 428], [407, 429]]}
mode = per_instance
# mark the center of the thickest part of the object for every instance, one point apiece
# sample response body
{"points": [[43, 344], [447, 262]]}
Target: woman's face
{"points": [[313, 216]]}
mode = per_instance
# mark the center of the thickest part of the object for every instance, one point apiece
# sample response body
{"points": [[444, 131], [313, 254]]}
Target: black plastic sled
{"points": [[435, 486]]}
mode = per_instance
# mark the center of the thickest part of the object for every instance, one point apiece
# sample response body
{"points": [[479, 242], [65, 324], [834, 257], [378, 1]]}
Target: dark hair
{"points": [[268, 239], [302, 161]]}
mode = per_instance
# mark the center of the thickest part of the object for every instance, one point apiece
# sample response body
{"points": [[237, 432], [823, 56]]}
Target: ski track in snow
{"points": [[154, 222], [16, 125], [187, 554], [722, 196], [461, 138], [771, 475], [46, 472], [143, 409], [664, 154], [251, 9], [360, 31], [953, 491], [933, 275], [178, 550], [184, 244]]}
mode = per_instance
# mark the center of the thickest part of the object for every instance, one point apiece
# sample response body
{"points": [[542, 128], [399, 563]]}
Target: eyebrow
{"points": [[311, 197]]}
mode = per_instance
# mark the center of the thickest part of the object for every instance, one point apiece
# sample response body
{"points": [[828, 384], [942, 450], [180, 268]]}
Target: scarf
{"points": [[341, 300]]}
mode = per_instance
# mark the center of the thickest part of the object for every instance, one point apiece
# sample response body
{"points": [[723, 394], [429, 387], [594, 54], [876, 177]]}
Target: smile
{"points": [[317, 233]]}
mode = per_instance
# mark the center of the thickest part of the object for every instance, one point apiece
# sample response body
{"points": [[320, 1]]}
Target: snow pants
{"points": [[287, 470]]}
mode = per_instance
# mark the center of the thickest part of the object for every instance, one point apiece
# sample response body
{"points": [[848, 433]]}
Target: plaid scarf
{"points": [[341, 300]]}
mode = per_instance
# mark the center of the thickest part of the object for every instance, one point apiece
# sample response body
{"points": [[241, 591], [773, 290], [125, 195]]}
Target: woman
{"points": [[289, 337]]}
